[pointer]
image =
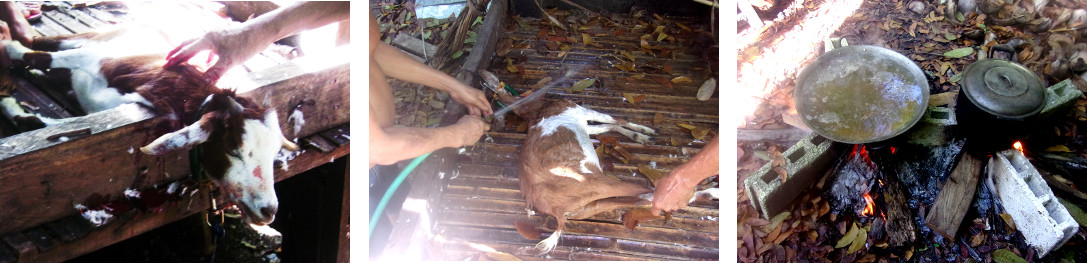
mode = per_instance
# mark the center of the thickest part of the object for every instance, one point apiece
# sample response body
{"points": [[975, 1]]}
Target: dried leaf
{"points": [[661, 36], [687, 126], [770, 237], [650, 173], [541, 83], [977, 239], [1005, 256], [1058, 148], [959, 52], [511, 68], [667, 68], [675, 143], [623, 151], [782, 174], [1075, 211], [608, 140], [527, 230], [777, 219], [1008, 221], [658, 118], [625, 66], [627, 55], [634, 98], [681, 79], [848, 238], [581, 85], [858, 241], [631, 218], [699, 133], [949, 36], [756, 221], [586, 39], [663, 81]]}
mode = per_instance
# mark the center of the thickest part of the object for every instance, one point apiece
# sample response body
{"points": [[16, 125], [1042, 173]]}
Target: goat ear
{"points": [[235, 107], [290, 146], [180, 140]]}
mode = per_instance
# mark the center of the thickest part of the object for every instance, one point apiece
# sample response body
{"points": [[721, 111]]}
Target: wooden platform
{"points": [[44, 179], [463, 204]]}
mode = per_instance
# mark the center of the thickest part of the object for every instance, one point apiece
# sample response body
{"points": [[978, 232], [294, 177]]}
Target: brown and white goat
{"points": [[240, 138], [560, 172]]}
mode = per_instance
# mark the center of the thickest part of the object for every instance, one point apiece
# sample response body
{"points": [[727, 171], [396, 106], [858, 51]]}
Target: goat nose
{"points": [[268, 212]]}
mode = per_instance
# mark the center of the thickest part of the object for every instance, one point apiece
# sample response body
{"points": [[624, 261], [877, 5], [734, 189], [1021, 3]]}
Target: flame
{"points": [[869, 206], [1018, 146], [893, 150]]}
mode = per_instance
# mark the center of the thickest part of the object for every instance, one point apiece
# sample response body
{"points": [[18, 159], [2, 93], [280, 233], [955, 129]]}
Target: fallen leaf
{"points": [[1005, 256], [848, 238], [675, 143], [977, 239], [1075, 211], [650, 173], [777, 219], [581, 85], [955, 78], [623, 151], [527, 230], [949, 36], [658, 118], [667, 68], [959, 52], [1008, 221], [699, 133], [681, 79], [627, 55], [664, 82], [541, 83], [756, 221], [661, 36], [634, 98], [686, 126], [858, 241], [586, 39], [625, 66], [782, 174], [461, 53], [631, 218], [1058, 148], [608, 140]]}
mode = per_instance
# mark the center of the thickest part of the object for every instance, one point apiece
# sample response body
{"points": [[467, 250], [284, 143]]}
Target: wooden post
{"points": [[900, 227], [946, 213]]}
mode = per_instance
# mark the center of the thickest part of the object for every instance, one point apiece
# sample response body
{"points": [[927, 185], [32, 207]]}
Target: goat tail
{"points": [[545, 246]]}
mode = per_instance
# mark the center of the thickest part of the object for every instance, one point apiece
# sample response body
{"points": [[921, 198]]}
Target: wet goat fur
{"points": [[565, 197]]}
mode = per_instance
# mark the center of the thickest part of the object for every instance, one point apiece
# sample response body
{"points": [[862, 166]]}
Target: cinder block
{"points": [[934, 128], [1059, 98], [806, 162], [1044, 222]]}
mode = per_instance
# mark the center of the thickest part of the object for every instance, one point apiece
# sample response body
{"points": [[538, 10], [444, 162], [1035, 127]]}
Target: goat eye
{"points": [[233, 154]]}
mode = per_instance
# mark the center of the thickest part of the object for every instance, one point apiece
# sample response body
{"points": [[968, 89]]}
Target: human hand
{"points": [[232, 45], [673, 192], [473, 99], [468, 130]]}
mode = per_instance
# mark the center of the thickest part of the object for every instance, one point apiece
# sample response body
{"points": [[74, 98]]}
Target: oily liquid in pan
{"points": [[861, 94]]}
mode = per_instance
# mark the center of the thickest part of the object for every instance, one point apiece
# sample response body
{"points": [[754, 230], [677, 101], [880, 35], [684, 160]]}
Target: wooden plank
{"points": [[417, 48], [67, 21], [47, 105], [53, 27], [951, 205], [35, 175], [656, 234], [22, 246], [41, 239], [487, 39], [82, 15]]}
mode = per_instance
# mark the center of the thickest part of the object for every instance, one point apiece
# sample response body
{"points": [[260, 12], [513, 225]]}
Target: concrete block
{"points": [[1044, 222], [934, 128], [1059, 98], [806, 162]]}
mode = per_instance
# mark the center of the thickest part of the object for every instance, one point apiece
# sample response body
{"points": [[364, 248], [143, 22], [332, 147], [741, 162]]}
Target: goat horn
{"points": [[289, 145], [235, 106]]}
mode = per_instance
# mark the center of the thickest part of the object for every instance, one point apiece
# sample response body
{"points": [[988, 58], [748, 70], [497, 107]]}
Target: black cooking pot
{"points": [[998, 102]]}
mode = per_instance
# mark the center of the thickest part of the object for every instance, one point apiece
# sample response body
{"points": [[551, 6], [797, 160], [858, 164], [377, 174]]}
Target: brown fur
{"points": [[559, 196], [180, 91]]}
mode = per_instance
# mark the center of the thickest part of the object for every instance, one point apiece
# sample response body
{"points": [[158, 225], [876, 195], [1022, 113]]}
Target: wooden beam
{"points": [[783, 135], [951, 205], [42, 180]]}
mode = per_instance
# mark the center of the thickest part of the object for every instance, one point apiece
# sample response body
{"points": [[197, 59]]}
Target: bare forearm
{"points": [[293, 18], [401, 143], [398, 65], [704, 164]]}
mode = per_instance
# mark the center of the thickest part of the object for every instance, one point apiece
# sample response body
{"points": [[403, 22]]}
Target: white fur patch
{"points": [[573, 119], [550, 243], [261, 141]]}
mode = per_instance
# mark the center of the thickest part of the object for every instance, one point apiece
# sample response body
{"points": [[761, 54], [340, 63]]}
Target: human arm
{"points": [[674, 191], [238, 43], [391, 144], [398, 65]]}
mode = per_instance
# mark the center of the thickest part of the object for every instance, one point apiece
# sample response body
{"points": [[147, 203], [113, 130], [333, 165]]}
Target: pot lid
{"points": [[1003, 88], [861, 94]]}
